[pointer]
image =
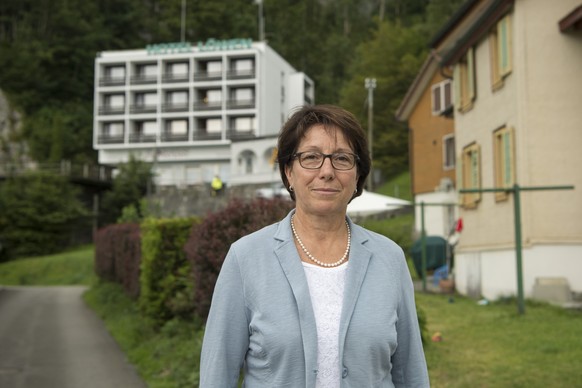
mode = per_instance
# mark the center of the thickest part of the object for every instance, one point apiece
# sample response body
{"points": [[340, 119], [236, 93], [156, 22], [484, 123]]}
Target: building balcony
{"points": [[171, 137], [142, 138], [175, 77], [236, 134], [207, 105], [143, 79], [207, 75], [110, 139], [111, 81], [202, 135], [140, 108], [175, 107], [240, 74], [111, 110], [240, 104]]}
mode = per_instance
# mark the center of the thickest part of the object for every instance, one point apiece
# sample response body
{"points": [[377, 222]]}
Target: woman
{"points": [[315, 300]]}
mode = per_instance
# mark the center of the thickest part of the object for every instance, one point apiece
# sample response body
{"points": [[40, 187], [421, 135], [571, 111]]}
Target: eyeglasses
{"points": [[339, 160]]}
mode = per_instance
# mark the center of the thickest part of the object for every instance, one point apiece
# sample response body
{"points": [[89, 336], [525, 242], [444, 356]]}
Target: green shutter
{"points": [[504, 45], [470, 74]]}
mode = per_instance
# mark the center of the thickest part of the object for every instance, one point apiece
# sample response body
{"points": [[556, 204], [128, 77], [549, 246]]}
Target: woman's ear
{"points": [[288, 171]]}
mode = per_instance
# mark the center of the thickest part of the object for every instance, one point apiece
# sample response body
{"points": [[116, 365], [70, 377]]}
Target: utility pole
{"points": [[370, 84], [261, 21], [183, 24]]}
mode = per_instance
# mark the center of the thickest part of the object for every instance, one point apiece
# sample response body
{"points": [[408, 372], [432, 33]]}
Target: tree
{"points": [[393, 57], [130, 185], [38, 213]]}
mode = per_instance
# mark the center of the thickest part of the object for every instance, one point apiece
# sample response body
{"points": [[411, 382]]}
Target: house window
{"points": [[464, 78], [246, 162], [214, 125], [470, 175], [449, 152], [441, 97], [500, 48], [504, 161], [243, 124]]}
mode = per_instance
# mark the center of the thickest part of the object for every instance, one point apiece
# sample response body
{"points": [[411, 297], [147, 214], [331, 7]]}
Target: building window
{"points": [[242, 68], [145, 102], [470, 175], [112, 132], [243, 97], [449, 152], [113, 75], [246, 162], [441, 97], [113, 104], [176, 100], [145, 73], [500, 48], [464, 79], [208, 70], [176, 72], [208, 129], [144, 131], [176, 130], [504, 160]]}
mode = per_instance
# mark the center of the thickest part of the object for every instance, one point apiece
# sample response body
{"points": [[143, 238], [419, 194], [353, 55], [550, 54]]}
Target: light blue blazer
{"points": [[261, 318]]}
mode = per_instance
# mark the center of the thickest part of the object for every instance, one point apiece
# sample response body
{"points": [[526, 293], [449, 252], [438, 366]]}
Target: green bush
{"points": [[39, 211], [165, 280]]}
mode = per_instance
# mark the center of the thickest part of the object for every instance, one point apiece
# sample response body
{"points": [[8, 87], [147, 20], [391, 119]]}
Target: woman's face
{"points": [[323, 191]]}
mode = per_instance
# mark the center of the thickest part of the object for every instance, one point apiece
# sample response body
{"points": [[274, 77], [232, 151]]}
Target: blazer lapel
{"points": [[288, 257], [357, 267]]}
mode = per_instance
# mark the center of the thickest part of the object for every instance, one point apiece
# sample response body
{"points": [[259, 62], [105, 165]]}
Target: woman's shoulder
{"points": [[257, 238], [376, 239]]}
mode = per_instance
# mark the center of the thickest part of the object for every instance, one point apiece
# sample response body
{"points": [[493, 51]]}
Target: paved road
{"points": [[50, 339]]}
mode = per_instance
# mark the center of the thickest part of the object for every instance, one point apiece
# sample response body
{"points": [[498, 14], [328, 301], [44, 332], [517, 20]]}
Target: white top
{"points": [[326, 287]]}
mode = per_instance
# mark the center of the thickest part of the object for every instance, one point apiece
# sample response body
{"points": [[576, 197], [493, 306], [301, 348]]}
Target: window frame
{"points": [[464, 81], [441, 87], [469, 171], [503, 160], [446, 139], [500, 50]]}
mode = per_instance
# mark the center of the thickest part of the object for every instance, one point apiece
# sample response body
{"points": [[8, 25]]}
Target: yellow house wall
{"points": [[427, 133]]}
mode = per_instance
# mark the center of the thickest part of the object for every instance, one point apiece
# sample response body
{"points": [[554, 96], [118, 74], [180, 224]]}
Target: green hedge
{"points": [[165, 281]]}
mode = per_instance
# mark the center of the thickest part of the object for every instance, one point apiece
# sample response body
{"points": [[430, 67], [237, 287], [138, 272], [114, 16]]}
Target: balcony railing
{"points": [[240, 104], [201, 134], [108, 80], [141, 108], [207, 75], [168, 136], [175, 77], [143, 79], [111, 110], [110, 139], [240, 74], [175, 107], [207, 105], [141, 138], [236, 134]]}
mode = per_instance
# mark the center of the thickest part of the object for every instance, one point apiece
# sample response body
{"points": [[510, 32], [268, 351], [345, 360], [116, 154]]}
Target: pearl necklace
{"points": [[318, 262]]}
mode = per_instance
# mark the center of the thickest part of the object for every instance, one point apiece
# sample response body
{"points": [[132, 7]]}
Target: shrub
{"points": [[38, 213], [165, 272], [209, 243], [118, 256]]}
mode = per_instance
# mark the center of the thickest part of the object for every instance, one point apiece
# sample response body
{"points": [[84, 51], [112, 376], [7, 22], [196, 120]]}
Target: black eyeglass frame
{"points": [[297, 156]]}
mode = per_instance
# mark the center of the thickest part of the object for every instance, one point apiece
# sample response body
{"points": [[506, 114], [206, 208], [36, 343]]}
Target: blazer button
{"points": [[345, 372]]}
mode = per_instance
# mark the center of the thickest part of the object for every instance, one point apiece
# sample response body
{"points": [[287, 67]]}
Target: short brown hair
{"points": [[329, 116]]}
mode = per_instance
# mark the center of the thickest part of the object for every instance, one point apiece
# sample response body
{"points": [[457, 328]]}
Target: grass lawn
{"points": [[493, 346], [73, 267]]}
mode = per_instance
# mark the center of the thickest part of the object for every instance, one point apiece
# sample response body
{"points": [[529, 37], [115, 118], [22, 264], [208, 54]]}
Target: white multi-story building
{"points": [[196, 111]]}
